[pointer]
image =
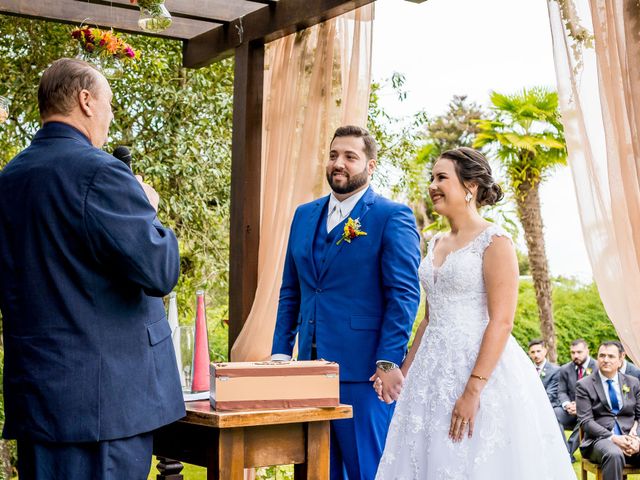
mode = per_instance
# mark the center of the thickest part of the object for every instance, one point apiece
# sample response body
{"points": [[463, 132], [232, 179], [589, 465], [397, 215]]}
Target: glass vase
{"points": [[154, 17]]}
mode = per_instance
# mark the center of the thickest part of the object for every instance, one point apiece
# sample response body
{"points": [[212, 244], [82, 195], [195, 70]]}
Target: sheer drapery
{"points": [[599, 92], [315, 80]]}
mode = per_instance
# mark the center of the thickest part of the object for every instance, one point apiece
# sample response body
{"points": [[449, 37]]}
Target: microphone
{"points": [[122, 153]]}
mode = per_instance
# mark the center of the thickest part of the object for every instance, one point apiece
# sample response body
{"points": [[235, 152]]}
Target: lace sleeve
{"points": [[486, 238]]}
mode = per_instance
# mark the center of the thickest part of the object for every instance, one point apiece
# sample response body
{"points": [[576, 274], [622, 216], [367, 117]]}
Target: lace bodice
{"points": [[455, 290]]}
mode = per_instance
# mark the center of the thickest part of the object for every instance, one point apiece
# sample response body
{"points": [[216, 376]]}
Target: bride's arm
{"points": [[416, 342], [500, 268]]}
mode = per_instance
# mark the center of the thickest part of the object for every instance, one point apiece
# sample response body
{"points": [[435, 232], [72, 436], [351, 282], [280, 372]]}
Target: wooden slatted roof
{"points": [[210, 29]]}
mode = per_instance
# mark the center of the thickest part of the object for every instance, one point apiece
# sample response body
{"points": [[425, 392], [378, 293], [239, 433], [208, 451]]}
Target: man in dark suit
{"points": [[547, 371], [627, 368], [580, 366], [608, 405], [352, 298], [90, 369]]}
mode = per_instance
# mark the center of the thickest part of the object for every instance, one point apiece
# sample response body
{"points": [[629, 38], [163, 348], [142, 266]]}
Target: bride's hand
{"points": [[464, 415]]}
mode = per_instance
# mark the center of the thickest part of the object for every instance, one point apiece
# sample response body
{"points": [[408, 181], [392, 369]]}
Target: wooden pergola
{"points": [[211, 30]]}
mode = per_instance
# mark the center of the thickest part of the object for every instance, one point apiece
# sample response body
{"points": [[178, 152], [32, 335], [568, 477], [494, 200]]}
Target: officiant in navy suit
{"points": [[90, 369], [350, 292]]}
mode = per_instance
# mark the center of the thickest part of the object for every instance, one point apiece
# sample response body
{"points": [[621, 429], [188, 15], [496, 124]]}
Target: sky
{"points": [[471, 47]]}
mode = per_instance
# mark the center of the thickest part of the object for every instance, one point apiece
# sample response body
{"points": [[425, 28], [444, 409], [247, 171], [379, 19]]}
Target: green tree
{"points": [[528, 138]]}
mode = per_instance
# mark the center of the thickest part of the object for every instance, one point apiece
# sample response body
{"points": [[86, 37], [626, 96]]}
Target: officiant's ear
{"points": [[84, 99]]}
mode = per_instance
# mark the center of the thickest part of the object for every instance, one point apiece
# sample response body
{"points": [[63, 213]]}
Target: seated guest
{"points": [[608, 405], [547, 371], [581, 365], [627, 368]]}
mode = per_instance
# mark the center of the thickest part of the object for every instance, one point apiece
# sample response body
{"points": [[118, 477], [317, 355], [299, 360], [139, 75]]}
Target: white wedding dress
{"points": [[516, 435]]}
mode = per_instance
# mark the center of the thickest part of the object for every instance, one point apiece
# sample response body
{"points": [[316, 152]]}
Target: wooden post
{"points": [[245, 183], [230, 456]]}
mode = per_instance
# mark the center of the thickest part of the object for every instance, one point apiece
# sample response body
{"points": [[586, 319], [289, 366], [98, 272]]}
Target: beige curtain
{"points": [[599, 87], [315, 81]]}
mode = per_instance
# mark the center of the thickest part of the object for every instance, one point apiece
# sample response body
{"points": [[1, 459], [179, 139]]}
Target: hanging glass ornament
{"points": [[154, 16]]}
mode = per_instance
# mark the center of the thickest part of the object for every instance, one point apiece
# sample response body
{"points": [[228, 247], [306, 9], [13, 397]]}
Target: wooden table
{"points": [[228, 442]]}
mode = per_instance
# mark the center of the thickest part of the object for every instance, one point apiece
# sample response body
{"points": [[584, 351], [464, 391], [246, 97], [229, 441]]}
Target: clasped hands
{"points": [[629, 444], [388, 385]]}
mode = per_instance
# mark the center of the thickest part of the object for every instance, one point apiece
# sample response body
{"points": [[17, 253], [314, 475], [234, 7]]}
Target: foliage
{"points": [[577, 310], [526, 134], [397, 138]]}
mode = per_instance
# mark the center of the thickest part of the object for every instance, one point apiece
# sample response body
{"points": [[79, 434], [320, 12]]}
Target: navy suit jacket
{"points": [[549, 377], [362, 303], [83, 266], [567, 378]]}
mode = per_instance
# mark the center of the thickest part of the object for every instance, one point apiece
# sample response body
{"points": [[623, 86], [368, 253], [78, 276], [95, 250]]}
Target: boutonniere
{"points": [[543, 374], [589, 371], [351, 231], [625, 388]]}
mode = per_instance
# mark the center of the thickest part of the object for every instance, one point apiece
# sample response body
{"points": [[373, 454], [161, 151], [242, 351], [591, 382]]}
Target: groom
{"points": [[350, 291]]}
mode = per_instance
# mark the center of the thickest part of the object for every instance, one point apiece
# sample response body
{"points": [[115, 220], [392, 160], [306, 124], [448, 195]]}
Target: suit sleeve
{"points": [[288, 305], [636, 393], [124, 233], [584, 409], [399, 264], [552, 389], [563, 392]]}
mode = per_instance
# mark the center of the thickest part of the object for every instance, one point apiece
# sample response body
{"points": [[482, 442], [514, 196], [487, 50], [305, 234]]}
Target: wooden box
{"points": [[274, 385]]}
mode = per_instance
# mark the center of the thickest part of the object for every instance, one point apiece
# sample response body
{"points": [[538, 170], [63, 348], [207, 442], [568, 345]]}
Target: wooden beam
{"points": [[264, 25], [218, 11], [246, 164], [74, 12]]}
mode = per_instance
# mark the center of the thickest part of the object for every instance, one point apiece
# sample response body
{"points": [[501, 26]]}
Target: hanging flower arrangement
{"points": [[96, 43], [154, 16]]}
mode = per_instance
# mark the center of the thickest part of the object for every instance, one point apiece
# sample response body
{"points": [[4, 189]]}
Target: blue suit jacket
{"points": [[83, 264], [362, 303]]}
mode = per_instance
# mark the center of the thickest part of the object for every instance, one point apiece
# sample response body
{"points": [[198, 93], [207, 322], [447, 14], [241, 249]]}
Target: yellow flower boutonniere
{"points": [[589, 371], [351, 231], [625, 388]]}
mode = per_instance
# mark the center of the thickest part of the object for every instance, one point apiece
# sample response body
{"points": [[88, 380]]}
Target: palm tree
{"points": [[528, 138]]}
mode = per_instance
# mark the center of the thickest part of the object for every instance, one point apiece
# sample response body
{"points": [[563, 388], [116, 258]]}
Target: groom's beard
{"points": [[353, 182]]}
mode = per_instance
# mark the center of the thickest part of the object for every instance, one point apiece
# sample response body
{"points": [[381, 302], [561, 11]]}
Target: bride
{"points": [[472, 406]]}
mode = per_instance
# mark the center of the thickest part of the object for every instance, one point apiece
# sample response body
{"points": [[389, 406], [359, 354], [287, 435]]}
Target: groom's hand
{"points": [[392, 382]]}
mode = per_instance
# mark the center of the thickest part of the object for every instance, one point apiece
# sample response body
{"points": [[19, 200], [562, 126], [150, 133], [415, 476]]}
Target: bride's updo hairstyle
{"points": [[472, 167]]}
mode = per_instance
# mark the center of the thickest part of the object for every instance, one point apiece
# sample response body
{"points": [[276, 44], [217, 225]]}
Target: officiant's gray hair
{"points": [[370, 145], [473, 167], [61, 83]]}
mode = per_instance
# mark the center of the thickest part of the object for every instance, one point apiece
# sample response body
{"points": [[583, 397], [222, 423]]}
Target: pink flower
{"points": [[130, 53]]}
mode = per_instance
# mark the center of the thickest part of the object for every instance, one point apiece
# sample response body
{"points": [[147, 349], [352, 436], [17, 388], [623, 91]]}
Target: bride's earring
{"points": [[468, 197]]}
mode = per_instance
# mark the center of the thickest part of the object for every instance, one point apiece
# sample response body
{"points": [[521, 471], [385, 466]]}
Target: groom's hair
{"points": [[370, 145]]}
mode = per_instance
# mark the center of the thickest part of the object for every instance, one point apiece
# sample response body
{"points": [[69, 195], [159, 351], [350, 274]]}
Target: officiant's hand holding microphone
{"points": [[122, 153]]}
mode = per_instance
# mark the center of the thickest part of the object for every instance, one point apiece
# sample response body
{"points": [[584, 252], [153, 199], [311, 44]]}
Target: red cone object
{"points": [[201, 349]]}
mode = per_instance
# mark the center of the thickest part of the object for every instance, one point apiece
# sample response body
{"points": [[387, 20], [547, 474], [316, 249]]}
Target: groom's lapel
{"points": [[312, 229], [359, 212]]}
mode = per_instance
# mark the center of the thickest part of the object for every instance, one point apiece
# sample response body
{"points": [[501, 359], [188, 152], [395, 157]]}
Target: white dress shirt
{"points": [[616, 387], [337, 210]]}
